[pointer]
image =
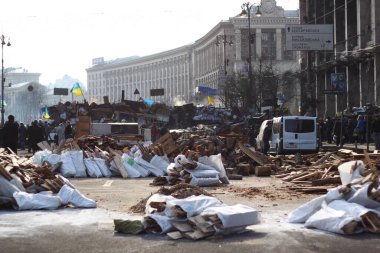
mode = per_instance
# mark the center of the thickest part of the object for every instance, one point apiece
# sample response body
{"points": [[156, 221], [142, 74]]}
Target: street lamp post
{"points": [[224, 39], [2, 38], [247, 11]]}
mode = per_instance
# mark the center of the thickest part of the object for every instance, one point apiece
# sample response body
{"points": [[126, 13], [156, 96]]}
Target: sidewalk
{"points": [[360, 147]]}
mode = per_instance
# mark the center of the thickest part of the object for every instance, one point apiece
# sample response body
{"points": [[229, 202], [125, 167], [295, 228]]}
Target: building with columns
{"points": [[220, 53], [355, 54]]}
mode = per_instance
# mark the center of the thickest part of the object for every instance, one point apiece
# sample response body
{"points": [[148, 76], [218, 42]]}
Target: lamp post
{"points": [[247, 11], [2, 38], [224, 39]]}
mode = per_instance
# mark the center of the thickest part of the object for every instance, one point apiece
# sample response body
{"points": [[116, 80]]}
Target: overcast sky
{"points": [[54, 37]]}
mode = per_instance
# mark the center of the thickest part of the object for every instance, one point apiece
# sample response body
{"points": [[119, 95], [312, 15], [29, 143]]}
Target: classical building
{"points": [[24, 101], [209, 61], [20, 75], [355, 54]]}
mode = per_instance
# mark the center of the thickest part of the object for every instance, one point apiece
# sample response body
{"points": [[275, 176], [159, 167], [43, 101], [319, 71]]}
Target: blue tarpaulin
{"points": [[207, 90]]}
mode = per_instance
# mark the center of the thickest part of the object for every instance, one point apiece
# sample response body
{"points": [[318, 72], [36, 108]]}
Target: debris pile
{"points": [[26, 186], [194, 217], [351, 208]]}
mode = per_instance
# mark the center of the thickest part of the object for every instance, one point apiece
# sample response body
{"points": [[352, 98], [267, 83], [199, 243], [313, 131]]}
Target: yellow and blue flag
{"points": [[46, 113], [76, 90], [211, 100]]}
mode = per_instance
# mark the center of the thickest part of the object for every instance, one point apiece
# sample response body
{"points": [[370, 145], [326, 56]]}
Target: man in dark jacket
{"points": [[22, 135], [36, 135], [10, 134]]}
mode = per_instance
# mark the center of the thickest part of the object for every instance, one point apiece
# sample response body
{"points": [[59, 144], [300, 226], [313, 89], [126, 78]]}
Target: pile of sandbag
{"points": [[351, 208], [194, 217], [207, 171]]}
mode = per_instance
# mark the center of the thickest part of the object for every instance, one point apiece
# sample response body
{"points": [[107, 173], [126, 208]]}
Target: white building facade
{"points": [[222, 52]]}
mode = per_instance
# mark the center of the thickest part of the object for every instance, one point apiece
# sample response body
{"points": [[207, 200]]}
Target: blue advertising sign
{"points": [[338, 81]]}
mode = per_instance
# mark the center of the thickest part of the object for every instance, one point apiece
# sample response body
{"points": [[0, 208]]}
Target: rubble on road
{"points": [[351, 208], [26, 186], [193, 217]]}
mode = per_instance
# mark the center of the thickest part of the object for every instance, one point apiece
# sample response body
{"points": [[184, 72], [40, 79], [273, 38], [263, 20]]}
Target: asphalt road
{"points": [[91, 230]]}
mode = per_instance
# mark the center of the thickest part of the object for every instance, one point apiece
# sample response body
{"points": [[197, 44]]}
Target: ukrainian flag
{"points": [[46, 113], [76, 90], [211, 100]]}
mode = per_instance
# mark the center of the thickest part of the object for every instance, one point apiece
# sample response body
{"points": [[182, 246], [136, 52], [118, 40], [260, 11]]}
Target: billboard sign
{"points": [[309, 37], [61, 91], [157, 92], [338, 81]]}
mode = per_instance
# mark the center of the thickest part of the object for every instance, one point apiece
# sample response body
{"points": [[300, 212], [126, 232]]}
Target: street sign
{"points": [[61, 91], [309, 37], [332, 92], [157, 92], [338, 81]]}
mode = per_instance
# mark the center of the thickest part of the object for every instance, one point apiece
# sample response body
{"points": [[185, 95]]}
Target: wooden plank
{"points": [[258, 157], [118, 163]]}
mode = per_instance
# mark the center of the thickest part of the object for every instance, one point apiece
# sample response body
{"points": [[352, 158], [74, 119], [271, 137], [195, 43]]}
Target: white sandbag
{"points": [[114, 170], [347, 174], [204, 173], [179, 160], [67, 167], [156, 198], [92, 168], [234, 216], [192, 205], [7, 189], [103, 167], [216, 162], [163, 221], [143, 172], [69, 195], [17, 182], [204, 182], [148, 166], [304, 212], [132, 172], [77, 158], [335, 216], [28, 201], [361, 197], [53, 159], [40, 156], [160, 162]]}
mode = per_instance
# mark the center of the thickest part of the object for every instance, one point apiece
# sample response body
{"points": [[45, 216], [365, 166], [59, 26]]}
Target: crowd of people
{"points": [[17, 135], [350, 130]]}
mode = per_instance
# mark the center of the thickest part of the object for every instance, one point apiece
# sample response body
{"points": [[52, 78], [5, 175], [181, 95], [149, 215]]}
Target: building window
{"points": [[268, 44]]}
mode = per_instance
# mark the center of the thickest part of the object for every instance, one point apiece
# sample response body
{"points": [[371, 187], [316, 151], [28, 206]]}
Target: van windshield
{"points": [[299, 125]]}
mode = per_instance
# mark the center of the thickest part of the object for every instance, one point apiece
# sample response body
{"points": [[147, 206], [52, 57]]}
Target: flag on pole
{"points": [[46, 113], [210, 100], [76, 90]]}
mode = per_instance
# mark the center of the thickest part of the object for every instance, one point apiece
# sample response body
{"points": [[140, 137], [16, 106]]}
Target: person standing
{"points": [[60, 130], [36, 135], [376, 132], [10, 134], [267, 136], [360, 129], [22, 135]]}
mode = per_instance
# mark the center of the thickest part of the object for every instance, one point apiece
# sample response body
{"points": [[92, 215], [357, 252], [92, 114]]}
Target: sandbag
{"points": [[69, 195], [148, 166], [204, 182], [163, 222], [192, 205], [361, 197], [28, 201], [160, 162], [77, 158], [132, 172], [114, 170], [40, 156], [67, 168], [143, 172], [304, 212], [234, 216], [216, 162], [103, 167], [53, 159], [347, 174], [204, 173], [156, 198], [92, 168], [336, 215], [7, 189]]}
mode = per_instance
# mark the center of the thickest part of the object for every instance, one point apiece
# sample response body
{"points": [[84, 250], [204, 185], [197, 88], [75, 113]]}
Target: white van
{"points": [[293, 134]]}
